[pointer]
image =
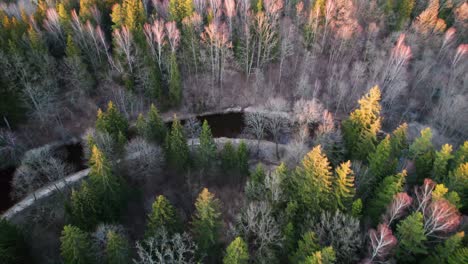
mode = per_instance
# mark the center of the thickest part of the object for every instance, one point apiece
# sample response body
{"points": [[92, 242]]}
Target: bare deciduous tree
{"points": [[255, 125], [258, 225], [397, 208], [163, 248], [38, 168], [382, 241], [440, 217], [142, 159]]}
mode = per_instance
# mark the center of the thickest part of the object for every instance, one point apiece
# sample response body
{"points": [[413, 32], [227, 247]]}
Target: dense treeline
{"points": [[338, 192], [60, 55], [393, 200]]}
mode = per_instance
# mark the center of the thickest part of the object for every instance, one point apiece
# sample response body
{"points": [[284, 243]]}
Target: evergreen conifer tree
{"points": [[461, 155], [344, 185], [177, 150], [306, 247], [155, 126], [163, 215], [422, 151], [237, 252], [111, 121], [360, 129], [441, 163], [243, 158], [206, 222], [76, 247], [229, 158], [325, 256], [180, 9], [381, 163], [405, 8], [207, 149], [175, 82], [399, 140], [383, 194], [84, 207], [117, 249], [411, 237]]}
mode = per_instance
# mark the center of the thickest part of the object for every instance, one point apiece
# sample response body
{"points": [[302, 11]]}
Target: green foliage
{"points": [[448, 250], [325, 256], [111, 121], [13, 249], [441, 163], [384, 193], [229, 158], [360, 129], [381, 164], [83, 207], [101, 198], [206, 152], [177, 150], [206, 223], [163, 215], [461, 156], [422, 151], [237, 252], [243, 158], [314, 182], [175, 81], [76, 247], [258, 175], [344, 185], [399, 141], [459, 256], [152, 127], [411, 237], [117, 249], [180, 9], [458, 182], [404, 10], [306, 247], [356, 208]]}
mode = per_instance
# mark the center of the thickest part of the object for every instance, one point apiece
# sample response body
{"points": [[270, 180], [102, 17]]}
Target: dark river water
{"points": [[222, 125]]}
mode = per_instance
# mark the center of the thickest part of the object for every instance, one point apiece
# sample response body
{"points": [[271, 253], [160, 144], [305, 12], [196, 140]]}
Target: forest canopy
{"points": [[350, 145]]}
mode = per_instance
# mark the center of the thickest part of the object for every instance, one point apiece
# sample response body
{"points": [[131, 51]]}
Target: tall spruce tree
{"points": [[360, 129], [461, 155], [175, 81], [311, 184], [306, 247], [422, 151], [383, 195], [180, 9], [404, 9], [243, 158], [76, 246], [381, 162], [206, 223], [411, 238], [441, 163], [117, 249], [152, 127], [177, 150], [163, 215], [112, 121], [344, 186], [206, 152], [399, 140], [237, 252]]}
